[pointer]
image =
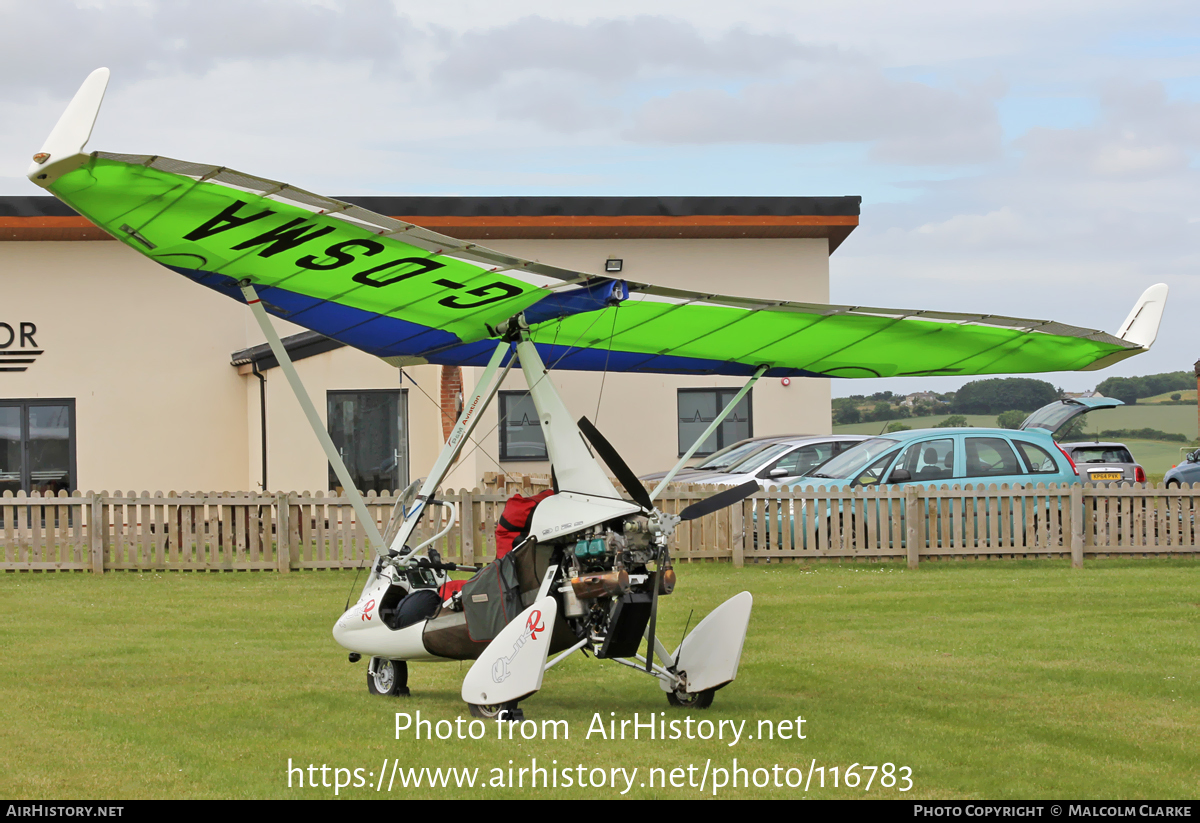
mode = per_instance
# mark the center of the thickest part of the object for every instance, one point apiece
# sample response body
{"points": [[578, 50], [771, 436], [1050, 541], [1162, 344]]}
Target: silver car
{"points": [[1104, 462], [719, 461], [772, 461]]}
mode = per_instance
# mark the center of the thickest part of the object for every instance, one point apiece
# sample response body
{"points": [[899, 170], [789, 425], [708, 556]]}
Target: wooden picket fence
{"points": [[283, 532]]}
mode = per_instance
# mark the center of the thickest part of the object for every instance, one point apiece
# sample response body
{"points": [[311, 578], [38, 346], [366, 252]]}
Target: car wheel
{"points": [[845, 525], [388, 678], [691, 700]]}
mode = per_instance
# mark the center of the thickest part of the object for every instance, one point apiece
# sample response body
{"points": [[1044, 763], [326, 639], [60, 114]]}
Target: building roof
{"points": [[474, 218], [298, 346]]}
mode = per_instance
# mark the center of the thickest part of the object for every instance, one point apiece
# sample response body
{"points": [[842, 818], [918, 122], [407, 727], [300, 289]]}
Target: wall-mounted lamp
{"points": [[612, 264]]}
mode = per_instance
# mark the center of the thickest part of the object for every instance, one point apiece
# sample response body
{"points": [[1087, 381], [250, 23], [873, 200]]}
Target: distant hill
{"points": [[1133, 389], [1186, 397]]}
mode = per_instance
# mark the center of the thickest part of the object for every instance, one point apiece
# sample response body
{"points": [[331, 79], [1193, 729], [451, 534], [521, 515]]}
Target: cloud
{"points": [[1141, 135], [55, 42], [904, 121], [616, 50]]}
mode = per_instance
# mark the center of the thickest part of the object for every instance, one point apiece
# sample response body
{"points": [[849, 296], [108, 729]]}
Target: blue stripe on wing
{"points": [[385, 336]]}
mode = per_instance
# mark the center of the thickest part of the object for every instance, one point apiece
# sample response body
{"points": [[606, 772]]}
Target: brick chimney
{"points": [[451, 399]]}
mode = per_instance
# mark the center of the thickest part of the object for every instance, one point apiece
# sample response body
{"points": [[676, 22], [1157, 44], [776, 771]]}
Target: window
{"points": [[1102, 454], [872, 474], [1037, 459], [697, 410], [929, 460], [987, 456], [370, 431], [802, 460], [520, 430], [37, 446]]}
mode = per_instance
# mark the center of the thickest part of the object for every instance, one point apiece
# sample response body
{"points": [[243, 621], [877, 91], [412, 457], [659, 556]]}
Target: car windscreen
{"points": [[850, 462], [730, 455], [753, 461], [1101, 454]]}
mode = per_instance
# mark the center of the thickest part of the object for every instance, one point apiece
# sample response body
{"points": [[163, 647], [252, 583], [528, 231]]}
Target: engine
{"points": [[608, 587]]}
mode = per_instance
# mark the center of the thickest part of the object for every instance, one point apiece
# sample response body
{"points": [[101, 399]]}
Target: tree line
{"points": [[1131, 389], [1012, 395]]}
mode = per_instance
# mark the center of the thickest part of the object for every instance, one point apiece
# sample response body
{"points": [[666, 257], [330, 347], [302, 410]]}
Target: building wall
{"points": [[146, 353]]}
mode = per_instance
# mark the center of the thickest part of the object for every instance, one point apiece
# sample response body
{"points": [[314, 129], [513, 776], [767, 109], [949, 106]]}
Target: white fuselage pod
{"points": [[362, 630], [568, 512]]}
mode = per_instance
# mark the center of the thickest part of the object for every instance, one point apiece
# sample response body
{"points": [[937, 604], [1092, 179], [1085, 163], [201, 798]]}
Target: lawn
{"points": [[1185, 395], [1002, 679]]}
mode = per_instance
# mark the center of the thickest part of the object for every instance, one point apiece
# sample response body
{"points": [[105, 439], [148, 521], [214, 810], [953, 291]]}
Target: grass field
{"points": [[1002, 679], [1165, 397]]}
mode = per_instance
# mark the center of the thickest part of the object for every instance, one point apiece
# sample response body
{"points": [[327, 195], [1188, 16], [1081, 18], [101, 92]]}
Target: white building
{"points": [[116, 373]]}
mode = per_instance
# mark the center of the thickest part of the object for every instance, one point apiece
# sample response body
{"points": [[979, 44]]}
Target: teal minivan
{"points": [[963, 455], [954, 456]]}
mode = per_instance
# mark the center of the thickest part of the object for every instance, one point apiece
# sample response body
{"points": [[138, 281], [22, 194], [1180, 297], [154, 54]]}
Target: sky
{"points": [[1031, 159]]}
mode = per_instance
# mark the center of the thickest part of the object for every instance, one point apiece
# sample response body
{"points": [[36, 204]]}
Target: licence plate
{"points": [[1106, 475]]}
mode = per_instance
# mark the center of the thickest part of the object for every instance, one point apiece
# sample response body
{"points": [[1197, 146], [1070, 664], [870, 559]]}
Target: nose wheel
{"points": [[388, 677], [491, 711], [691, 700]]}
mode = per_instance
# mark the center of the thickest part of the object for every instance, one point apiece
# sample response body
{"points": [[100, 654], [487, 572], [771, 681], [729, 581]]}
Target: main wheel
{"points": [[490, 711], [390, 677], [691, 700]]}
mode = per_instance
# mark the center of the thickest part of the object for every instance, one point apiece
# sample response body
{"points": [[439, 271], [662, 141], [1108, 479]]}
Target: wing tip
{"points": [[63, 149], [1141, 326]]}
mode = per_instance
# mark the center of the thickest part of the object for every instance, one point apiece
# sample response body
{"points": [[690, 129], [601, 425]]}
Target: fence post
{"points": [[283, 556], [97, 536], [283, 531], [1077, 516], [467, 517], [737, 533], [911, 517]]}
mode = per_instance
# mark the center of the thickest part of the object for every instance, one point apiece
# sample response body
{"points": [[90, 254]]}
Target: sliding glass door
{"points": [[370, 431]]}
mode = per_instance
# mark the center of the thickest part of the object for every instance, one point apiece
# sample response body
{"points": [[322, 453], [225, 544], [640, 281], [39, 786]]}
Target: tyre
{"points": [[390, 678], [490, 711], [847, 532], [691, 700]]}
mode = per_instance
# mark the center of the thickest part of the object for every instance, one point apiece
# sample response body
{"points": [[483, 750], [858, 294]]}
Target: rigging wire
{"points": [[607, 355], [503, 418], [478, 445]]}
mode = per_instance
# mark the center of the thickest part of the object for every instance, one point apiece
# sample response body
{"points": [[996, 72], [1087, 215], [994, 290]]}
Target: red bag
{"points": [[448, 588], [514, 522]]}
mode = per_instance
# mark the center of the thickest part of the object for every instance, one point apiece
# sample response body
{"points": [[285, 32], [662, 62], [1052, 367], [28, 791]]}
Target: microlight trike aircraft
{"points": [[590, 565]]}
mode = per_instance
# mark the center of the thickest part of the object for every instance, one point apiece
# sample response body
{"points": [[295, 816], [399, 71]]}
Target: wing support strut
{"points": [[718, 420], [310, 411], [485, 391]]}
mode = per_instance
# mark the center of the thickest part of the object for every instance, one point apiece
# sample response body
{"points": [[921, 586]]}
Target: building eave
{"points": [[298, 346], [501, 218]]}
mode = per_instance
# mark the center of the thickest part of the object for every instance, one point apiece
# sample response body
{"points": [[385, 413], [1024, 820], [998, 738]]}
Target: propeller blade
{"points": [[720, 500], [633, 486]]}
